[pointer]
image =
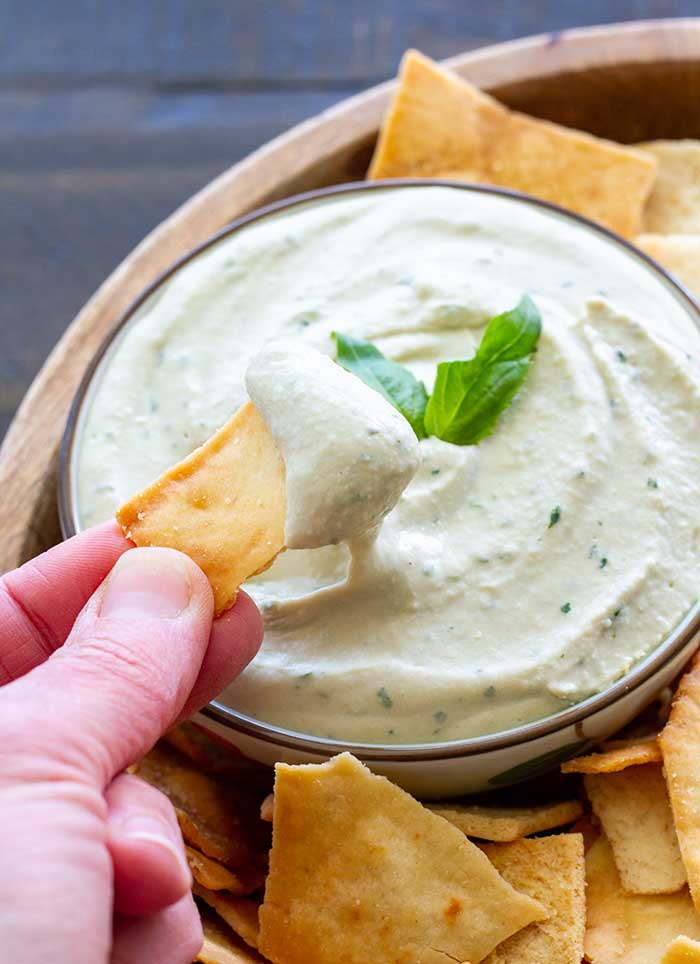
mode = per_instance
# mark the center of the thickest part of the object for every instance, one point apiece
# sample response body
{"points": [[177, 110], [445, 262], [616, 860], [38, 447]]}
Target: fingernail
{"points": [[147, 582], [143, 828]]}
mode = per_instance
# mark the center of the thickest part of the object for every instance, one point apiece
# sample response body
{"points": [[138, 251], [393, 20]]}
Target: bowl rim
{"points": [[673, 643]]}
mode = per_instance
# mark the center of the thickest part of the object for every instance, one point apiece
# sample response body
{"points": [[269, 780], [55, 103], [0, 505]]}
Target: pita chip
{"points": [[440, 126], [224, 505], [360, 871], [589, 828], [215, 819], [682, 950], [219, 758], [674, 203], [679, 254], [626, 928], [612, 761], [508, 823], [552, 870], [680, 746], [633, 808], [211, 874], [240, 913], [221, 945], [267, 808]]}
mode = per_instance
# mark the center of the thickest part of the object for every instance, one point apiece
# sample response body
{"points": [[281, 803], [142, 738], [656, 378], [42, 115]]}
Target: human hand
{"points": [[94, 667]]}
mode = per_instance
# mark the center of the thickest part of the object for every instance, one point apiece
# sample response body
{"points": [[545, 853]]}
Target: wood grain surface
{"points": [[631, 83]]}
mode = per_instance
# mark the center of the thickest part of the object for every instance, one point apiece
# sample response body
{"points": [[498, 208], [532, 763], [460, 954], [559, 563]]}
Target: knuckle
{"points": [[124, 672], [132, 790]]}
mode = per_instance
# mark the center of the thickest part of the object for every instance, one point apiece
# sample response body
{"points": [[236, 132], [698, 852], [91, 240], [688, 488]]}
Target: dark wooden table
{"points": [[111, 114]]}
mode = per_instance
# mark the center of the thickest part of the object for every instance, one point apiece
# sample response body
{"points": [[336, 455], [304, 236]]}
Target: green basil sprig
{"points": [[468, 396], [390, 379]]}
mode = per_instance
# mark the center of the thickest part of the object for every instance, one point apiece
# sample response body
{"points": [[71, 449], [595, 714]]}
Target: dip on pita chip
{"points": [[612, 761], [635, 814], [508, 823], [680, 746], [674, 203], [224, 505], [441, 126], [240, 913], [682, 950], [221, 945], [677, 253], [211, 874], [552, 870], [626, 928], [360, 871], [217, 820]]}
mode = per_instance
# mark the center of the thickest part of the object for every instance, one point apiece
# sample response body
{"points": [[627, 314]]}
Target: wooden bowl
{"points": [[628, 82]]}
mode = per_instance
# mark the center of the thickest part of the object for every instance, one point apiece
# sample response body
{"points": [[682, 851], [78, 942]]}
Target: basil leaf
{"points": [[390, 379], [469, 395]]}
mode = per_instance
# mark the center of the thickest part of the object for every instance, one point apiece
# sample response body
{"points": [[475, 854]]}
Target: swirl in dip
{"points": [[512, 578]]}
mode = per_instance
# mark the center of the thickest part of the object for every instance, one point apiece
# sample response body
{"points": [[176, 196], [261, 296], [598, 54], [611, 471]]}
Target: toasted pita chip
{"points": [[589, 828], [360, 871], [611, 761], [682, 950], [626, 928], [632, 742], [240, 913], [441, 126], [221, 945], [214, 876], [680, 746], [677, 253], [267, 808], [552, 870], [674, 203], [224, 505], [218, 758], [605, 939], [635, 814], [508, 823], [217, 820]]}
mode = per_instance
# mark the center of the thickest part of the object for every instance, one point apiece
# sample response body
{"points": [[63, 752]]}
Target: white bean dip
{"points": [[512, 578]]}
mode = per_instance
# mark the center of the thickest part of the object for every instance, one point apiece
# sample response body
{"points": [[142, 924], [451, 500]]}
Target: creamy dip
{"points": [[348, 453], [512, 578]]}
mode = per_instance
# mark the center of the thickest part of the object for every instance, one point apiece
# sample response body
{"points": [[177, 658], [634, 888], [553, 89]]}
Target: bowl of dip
{"points": [[526, 597]]}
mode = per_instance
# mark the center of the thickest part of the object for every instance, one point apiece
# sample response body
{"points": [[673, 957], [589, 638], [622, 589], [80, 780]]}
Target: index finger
{"points": [[40, 601]]}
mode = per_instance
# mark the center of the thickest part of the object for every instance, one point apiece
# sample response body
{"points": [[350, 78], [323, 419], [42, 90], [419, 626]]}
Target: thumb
{"points": [[123, 676]]}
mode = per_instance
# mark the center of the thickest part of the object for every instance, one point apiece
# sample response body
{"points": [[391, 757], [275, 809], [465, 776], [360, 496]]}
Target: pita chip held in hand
{"points": [[317, 457]]}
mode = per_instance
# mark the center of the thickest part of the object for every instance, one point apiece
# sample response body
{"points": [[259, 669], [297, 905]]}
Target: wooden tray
{"points": [[628, 82]]}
